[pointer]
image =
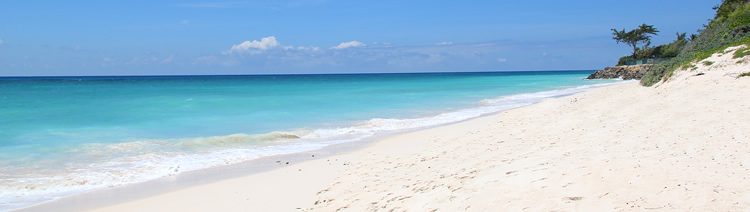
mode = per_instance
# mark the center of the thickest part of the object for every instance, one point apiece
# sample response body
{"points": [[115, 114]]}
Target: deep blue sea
{"points": [[67, 135]]}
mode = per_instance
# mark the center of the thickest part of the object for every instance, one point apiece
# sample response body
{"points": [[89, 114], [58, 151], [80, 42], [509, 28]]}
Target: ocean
{"points": [[62, 136]]}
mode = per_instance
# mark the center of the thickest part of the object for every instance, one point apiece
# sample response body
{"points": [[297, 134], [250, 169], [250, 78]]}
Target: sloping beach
{"points": [[679, 146], [682, 146]]}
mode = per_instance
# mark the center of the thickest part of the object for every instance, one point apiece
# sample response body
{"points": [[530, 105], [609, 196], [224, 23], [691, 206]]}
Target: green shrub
{"points": [[740, 20], [744, 75], [622, 60], [741, 52], [661, 51], [671, 50], [740, 16], [708, 63], [728, 7]]}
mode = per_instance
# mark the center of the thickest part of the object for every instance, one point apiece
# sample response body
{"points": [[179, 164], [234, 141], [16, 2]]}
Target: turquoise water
{"points": [[67, 135]]}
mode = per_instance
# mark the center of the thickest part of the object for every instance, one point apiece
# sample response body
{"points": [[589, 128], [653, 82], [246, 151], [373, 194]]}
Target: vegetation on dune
{"points": [[669, 50], [730, 27], [744, 75]]}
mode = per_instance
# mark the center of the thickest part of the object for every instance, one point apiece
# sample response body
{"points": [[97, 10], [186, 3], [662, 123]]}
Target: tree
{"points": [[681, 36], [633, 37]]}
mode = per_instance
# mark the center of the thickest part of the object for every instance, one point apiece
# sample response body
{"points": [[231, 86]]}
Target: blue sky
{"points": [[63, 38]]}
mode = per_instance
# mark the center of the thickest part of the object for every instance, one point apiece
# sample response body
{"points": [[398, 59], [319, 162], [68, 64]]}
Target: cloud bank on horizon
{"points": [[268, 51]]}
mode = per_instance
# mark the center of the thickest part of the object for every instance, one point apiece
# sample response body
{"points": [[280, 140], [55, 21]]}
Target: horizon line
{"points": [[290, 74]]}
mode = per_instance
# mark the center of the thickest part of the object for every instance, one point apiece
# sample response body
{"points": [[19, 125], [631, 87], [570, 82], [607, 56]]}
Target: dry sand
{"points": [[683, 145]]}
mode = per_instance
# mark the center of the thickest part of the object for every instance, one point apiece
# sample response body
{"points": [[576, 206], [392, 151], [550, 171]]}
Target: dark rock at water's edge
{"points": [[624, 72]]}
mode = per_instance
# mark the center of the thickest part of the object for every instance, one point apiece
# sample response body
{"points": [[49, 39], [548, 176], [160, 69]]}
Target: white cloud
{"points": [[254, 46], [349, 44], [502, 60], [311, 48], [184, 22], [445, 43], [1, 41]]}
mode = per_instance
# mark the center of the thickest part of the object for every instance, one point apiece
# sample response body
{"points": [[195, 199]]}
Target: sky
{"points": [[200, 37]]}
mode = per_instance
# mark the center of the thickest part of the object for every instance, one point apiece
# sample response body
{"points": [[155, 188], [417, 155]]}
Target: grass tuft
{"points": [[740, 53]]}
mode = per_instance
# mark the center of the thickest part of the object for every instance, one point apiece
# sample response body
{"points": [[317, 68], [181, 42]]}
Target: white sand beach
{"points": [[683, 145], [680, 146]]}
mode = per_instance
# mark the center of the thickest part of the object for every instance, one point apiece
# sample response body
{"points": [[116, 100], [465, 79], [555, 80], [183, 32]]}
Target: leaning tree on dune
{"points": [[642, 34]]}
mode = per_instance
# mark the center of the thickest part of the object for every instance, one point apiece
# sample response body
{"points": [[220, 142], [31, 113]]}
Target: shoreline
{"points": [[609, 148], [195, 178], [339, 156]]}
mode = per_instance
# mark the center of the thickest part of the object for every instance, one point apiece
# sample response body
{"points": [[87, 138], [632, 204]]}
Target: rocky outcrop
{"points": [[624, 72]]}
